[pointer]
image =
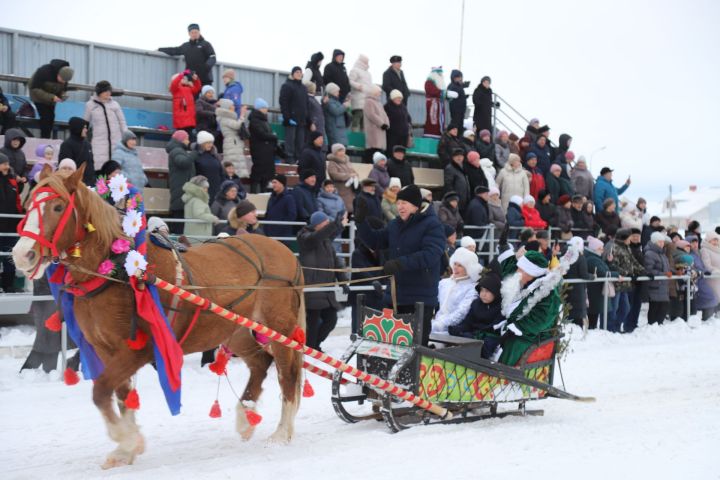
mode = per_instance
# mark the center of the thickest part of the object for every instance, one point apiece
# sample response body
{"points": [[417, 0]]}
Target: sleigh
{"points": [[454, 376]]}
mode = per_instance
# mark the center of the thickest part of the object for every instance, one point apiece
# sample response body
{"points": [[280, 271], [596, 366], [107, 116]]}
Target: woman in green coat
{"points": [[196, 199]]}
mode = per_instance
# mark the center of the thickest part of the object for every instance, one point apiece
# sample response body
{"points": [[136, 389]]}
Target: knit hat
{"points": [[227, 185], [468, 134], [517, 200], [280, 178], [307, 173], [395, 94], [109, 167], [311, 88], [332, 89], [494, 191], [485, 78], [399, 148], [4, 158], [481, 189], [315, 135], [411, 194], [691, 238], [501, 133], [637, 231], [295, 69], [451, 196], [458, 152], [455, 74], [657, 237], [530, 155], [449, 231], [563, 199], [260, 103], [229, 73], [394, 182], [395, 59], [180, 135], [317, 218], [682, 244], [622, 234], [337, 147], [377, 157], [102, 86], [193, 26], [205, 137], [128, 135], [555, 168], [156, 224], [473, 156], [529, 199], [594, 244], [569, 156], [484, 133], [243, 208], [200, 181], [469, 260], [66, 73], [533, 263], [205, 89], [466, 241], [225, 103], [542, 194], [490, 282]]}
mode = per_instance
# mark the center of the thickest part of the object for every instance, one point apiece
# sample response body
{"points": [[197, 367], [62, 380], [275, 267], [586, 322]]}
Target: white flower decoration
{"points": [[132, 222], [118, 187], [134, 262]]}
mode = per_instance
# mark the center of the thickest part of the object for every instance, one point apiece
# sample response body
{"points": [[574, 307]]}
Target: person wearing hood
{"points": [[389, 199], [48, 87], [205, 107], [313, 158], [458, 105], [343, 175], [657, 264], [334, 111], [305, 196], [312, 72], [398, 134], [243, 219], [457, 292], [562, 149], [12, 149], [107, 121], [233, 90], [474, 171], [197, 207], [336, 73], [9, 204], [360, 82], [126, 155], [456, 180], [486, 148], [207, 162], [8, 119], [294, 108], [394, 79], [230, 126], [630, 216], [581, 179], [502, 148], [531, 215], [263, 143], [281, 207], [513, 180], [484, 103], [44, 156], [449, 143], [184, 87], [514, 216], [399, 166], [415, 242], [449, 212], [379, 173], [181, 168], [605, 189], [484, 314], [547, 208], [556, 184], [376, 123], [199, 54], [225, 201], [79, 149]]}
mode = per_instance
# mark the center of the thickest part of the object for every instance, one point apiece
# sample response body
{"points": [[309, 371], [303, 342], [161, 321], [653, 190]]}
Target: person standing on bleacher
{"points": [[107, 122], [199, 54], [181, 168], [48, 86]]}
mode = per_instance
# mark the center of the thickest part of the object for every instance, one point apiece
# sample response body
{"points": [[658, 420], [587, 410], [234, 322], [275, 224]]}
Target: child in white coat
{"points": [[457, 292]]}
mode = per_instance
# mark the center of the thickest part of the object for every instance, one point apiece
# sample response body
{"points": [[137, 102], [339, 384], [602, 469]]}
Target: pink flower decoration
{"points": [[105, 267], [120, 246], [132, 204], [101, 186]]}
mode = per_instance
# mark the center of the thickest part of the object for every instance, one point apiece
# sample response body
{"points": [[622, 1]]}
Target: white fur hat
{"points": [[377, 156], [394, 182], [205, 137], [517, 200], [469, 260], [468, 133], [529, 199], [395, 94], [657, 237], [494, 191], [425, 192], [466, 241]]}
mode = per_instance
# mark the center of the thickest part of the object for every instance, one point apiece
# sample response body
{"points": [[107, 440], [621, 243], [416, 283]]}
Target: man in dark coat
{"points": [[313, 158], [294, 108], [514, 216], [541, 149], [394, 79], [367, 200], [315, 243], [547, 208], [449, 142], [577, 292], [199, 54], [281, 208], [12, 148], [305, 196], [458, 105], [181, 168], [398, 133], [415, 241], [313, 66], [475, 174], [580, 225], [77, 147], [455, 179], [48, 87], [9, 204], [336, 73], [483, 101], [477, 213], [7, 116], [263, 143], [398, 166]]}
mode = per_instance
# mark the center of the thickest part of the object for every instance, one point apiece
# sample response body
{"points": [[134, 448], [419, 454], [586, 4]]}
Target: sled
{"points": [[453, 376]]}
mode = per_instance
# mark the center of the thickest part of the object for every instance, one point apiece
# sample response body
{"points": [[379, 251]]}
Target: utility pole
{"points": [[670, 204], [462, 30]]}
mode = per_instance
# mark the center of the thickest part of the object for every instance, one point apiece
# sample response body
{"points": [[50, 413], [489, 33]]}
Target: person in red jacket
{"points": [[531, 215], [537, 180], [184, 87]]}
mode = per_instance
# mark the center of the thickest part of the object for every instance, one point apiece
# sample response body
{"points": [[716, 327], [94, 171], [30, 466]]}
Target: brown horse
{"points": [[105, 318]]}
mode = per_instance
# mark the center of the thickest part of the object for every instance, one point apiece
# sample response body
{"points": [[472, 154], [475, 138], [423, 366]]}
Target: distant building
{"points": [[695, 203]]}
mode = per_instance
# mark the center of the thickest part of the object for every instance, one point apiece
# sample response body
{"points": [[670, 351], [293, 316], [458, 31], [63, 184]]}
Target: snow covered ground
{"points": [[656, 416]]}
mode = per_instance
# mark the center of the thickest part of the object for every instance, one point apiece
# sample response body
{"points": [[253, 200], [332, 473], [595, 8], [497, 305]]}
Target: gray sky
{"points": [[640, 77]]}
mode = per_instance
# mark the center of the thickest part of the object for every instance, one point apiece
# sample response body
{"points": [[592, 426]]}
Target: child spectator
{"points": [[9, 204], [456, 293], [44, 154], [14, 141]]}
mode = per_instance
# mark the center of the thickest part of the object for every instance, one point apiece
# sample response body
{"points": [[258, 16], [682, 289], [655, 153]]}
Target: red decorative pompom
{"points": [[298, 335], [308, 389], [220, 363], [53, 322], [253, 417], [133, 400], [70, 376], [140, 341], [215, 411]]}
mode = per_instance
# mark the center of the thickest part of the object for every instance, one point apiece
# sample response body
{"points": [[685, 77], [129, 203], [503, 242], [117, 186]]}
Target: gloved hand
{"points": [[512, 331], [500, 325], [378, 287], [451, 95], [497, 104], [292, 123], [466, 84], [384, 126], [392, 267], [345, 288]]}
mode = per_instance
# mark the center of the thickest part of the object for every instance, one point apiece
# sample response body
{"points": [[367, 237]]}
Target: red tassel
{"points": [[308, 389], [253, 417], [140, 341], [70, 376], [298, 335], [220, 363], [132, 401], [215, 411], [53, 322]]}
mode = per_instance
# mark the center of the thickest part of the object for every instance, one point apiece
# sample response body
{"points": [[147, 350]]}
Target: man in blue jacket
{"points": [[605, 189], [281, 208], [414, 241]]}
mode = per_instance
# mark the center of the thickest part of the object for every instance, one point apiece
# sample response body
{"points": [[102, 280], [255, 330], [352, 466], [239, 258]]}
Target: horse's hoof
{"points": [[140, 445], [247, 433], [280, 437], [118, 458]]}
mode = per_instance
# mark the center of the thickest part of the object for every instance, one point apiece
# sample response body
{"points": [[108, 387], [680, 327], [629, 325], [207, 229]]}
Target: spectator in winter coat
{"points": [[525, 147], [449, 213], [710, 255], [582, 180], [48, 87], [233, 90], [243, 219], [555, 184], [485, 147], [656, 264], [693, 227], [126, 155], [483, 101], [207, 162], [7, 116], [199, 54], [79, 149], [474, 171], [589, 215], [9, 204], [343, 175], [547, 208], [196, 200], [512, 180], [225, 201], [458, 105], [398, 166], [335, 126], [622, 260], [477, 213], [376, 122], [233, 146], [541, 149], [229, 169], [181, 168], [67, 167], [335, 73], [581, 227], [608, 218], [368, 200], [514, 145], [389, 200], [281, 208], [329, 202], [312, 158], [537, 180], [565, 162], [577, 293], [360, 83], [630, 216], [455, 179], [400, 123], [294, 109], [316, 117], [304, 195], [205, 106], [44, 156], [599, 268], [468, 142], [502, 149], [457, 293], [107, 122], [514, 216], [564, 214], [312, 72], [449, 143], [531, 215], [705, 299], [379, 173], [605, 189], [563, 148], [484, 314], [497, 213], [12, 149], [394, 79], [489, 171], [263, 143], [184, 87]]}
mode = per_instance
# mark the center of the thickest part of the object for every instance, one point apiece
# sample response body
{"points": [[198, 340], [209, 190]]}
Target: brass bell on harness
{"points": [[89, 227], [76, 251]]}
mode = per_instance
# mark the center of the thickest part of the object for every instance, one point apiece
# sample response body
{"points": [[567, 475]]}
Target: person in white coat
{"points": [[512, 180], [457, 292], [233, 146], [107, 122], [710, 255], [489, 170], [360, 81]]}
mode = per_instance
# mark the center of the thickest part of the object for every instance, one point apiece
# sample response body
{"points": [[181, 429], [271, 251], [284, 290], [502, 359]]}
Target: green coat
{"points": [[196, 207]]}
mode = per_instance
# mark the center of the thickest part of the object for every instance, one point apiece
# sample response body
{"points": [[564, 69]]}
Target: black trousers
{"points": [[8, 266], [176, 227], [7, 121], [47, 119], [319, 325], [657, 312], [428, 314]]}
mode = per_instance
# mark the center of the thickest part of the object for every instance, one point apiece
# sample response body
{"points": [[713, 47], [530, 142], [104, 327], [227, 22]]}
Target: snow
{"points": [[656, 416]]}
